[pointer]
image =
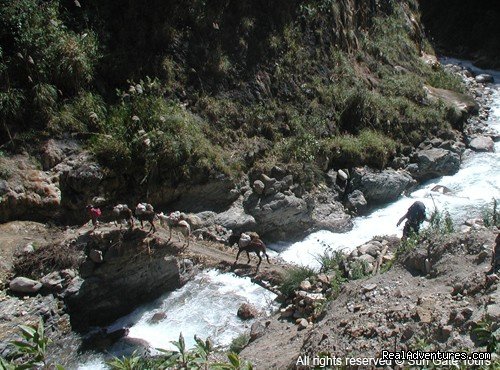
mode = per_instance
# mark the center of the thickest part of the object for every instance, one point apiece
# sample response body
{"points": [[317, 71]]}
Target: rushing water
{"points": [[207, 305], [474, 186]]}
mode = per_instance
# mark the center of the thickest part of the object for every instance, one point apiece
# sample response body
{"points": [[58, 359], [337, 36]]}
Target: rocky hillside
{"points": [[172, 96], [439, 294]]}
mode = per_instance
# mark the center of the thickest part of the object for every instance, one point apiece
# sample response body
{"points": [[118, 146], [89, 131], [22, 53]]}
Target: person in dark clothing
{"points": [[495, 263], [415, 216], [94, 213]]}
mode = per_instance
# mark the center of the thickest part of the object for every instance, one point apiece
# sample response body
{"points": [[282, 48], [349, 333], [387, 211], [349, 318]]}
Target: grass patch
{"points": [[370, 147], [240, 342], [293, 277]]}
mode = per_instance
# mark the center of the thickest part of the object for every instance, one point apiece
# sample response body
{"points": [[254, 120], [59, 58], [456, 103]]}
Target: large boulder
{"points": [[328, 214], [356, 202], [278, 215], [482, 144], [27, 192], [484, 78], [435, 162], [236, 219], [380, 186], [247, 311], [24, 285]]}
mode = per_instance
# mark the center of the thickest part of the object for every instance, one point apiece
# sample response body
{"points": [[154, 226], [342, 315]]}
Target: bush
{"points": [[156, 139], [239, 343], [293, 277], [370, 147]]}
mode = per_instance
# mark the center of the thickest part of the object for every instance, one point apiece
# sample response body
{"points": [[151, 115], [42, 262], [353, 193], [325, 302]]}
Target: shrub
{"points": [[86, 112], [491, 216], [28, 353], [155, 138], [239, 343], [370, 147], [293, 277], [359, 270]]}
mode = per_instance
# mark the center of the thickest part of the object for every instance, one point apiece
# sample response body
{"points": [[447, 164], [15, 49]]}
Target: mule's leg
{"points": [[238, 255], [267, 257], [260, 260]]}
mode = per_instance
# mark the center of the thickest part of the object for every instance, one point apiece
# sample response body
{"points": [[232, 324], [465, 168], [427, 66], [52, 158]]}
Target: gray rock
{"points": [[157, 317], [356, 202], [305, 285], [434, 163], [4, 187], [381, 186], [366, 258], [278, 173], [482, 144], [328, 214], [258, 187], [493, 312], [235, 219], [268, 181], [52, 281], [257, 330], [24, 285], [302, 323], [51, 155], [278, 213], [484, 78]]}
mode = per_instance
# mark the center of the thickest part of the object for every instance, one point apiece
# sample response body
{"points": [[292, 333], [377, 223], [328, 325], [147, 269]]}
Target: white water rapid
{"points": [[207, 305], [474, 186]]}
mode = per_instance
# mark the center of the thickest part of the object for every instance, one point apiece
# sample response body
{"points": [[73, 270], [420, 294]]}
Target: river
{"points": [[473, 188], [207, 305]]}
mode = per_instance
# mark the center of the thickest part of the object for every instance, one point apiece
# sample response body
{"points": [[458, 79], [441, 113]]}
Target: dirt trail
{"points": [[17, 234]]}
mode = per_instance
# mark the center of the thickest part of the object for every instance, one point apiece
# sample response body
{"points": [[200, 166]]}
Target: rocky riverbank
{"points": [[432, 298]]}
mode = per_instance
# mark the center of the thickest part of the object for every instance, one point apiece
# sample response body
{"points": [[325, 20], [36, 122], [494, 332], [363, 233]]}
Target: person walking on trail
{"points": [[94, 213], [415, 216]]}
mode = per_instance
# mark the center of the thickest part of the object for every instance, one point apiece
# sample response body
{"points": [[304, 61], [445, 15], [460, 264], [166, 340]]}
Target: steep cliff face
{"points": [[469, 29], [123, 270]]}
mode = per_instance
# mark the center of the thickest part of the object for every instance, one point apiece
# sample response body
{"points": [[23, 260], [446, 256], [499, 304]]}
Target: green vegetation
{"points": [[293, 277], [491, 216], [29, 352], [239, 343], [330, 262], [485, 332], [200, 86]]}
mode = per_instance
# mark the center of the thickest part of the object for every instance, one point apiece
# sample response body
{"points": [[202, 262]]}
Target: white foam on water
{"points": [[205, 306], [474, 186]]}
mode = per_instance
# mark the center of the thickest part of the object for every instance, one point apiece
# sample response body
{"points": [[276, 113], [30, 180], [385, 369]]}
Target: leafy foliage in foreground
{"points": [[30, 353]]}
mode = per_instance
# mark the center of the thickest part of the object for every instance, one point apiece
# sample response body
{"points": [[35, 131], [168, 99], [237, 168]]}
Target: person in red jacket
{"points": [[94, 213]]}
